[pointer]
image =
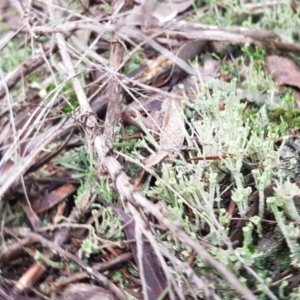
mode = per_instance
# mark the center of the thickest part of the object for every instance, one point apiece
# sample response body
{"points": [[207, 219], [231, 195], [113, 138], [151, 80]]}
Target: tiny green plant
{"points": [[80, 162], [136, 60]]}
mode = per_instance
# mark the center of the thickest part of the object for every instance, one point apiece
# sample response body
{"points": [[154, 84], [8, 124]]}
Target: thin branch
{"points": [[93, 273], [114, 89], [26, 68]]}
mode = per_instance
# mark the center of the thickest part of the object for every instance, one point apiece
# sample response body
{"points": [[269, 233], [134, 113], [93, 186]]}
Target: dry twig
{"points": [[114, 89]]}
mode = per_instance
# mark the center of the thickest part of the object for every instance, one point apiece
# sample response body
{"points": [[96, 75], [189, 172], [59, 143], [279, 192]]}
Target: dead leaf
{"points": [[153, 13], [166, 117], [154, 276], [166, 10], [155, 158], [187, 52], [283, 70], [61, 207], [173, 130], [84, 291], [44, 203]]}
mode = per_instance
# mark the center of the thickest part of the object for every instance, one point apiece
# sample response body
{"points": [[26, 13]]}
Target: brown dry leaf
{"points": [[156, 281], [283, 70], [84, 291], [155, 158], [44, 203], [166, 116], [173, 130], [151, 12], [189, 50], [166, 10], [61, 207]]}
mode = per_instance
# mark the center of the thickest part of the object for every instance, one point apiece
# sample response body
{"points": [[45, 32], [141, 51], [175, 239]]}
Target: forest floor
{"points": [[149, 149]]}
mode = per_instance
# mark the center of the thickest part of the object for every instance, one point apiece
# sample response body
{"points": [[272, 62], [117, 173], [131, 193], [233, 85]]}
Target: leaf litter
{"points": [[213, 192]]}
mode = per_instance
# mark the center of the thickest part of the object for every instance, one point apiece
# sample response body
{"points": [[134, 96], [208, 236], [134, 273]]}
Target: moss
{"points": [[290, 116], [132, 170]]}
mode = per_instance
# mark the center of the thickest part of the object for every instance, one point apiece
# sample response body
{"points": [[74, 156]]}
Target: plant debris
{"points": [[149, 150]]}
